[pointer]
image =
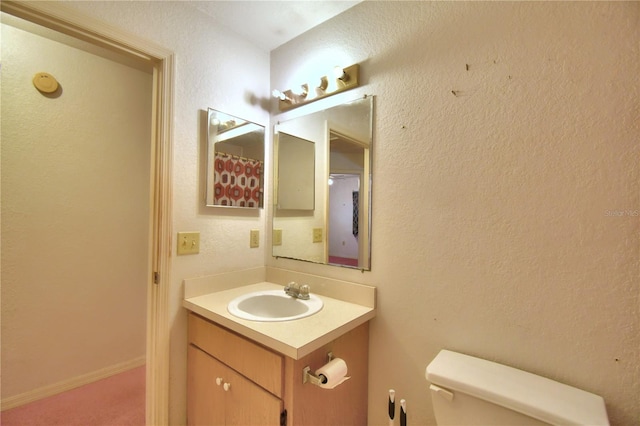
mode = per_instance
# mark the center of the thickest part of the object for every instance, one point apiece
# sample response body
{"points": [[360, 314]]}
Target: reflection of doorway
{"points": [[344, 192], [347, 208]]}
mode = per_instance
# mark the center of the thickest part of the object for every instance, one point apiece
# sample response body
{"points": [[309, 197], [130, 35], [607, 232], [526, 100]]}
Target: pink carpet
{"points": [[336, 260], [114, 401]]}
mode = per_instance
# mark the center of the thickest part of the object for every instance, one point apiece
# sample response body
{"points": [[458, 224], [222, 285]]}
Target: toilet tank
{"points": [[471, 391]]}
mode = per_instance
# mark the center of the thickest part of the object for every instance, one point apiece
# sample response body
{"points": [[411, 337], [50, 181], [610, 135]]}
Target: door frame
{"points": [[63, 19]]}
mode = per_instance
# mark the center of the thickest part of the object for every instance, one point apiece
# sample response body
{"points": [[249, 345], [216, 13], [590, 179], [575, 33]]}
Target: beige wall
{"points": [[500, 245], [216, 69], [75, 214], [492, 226]]}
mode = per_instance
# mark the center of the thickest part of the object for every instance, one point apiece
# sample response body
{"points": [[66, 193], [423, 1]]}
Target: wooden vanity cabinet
{"points": [[230, 380], [233, 401], [263, 384]]}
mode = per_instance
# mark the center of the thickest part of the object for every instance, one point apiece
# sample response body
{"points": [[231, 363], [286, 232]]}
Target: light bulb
{"points": [[303, 91], [324, 83], [278, 94], [340, 74]]}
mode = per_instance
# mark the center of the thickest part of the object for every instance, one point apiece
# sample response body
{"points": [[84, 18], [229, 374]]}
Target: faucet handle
{"points": [[304, 292], [291, 285], [292, 289]]}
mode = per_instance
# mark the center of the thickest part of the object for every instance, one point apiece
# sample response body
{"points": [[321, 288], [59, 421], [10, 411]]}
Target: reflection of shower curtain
{"points": [[237, 181]]}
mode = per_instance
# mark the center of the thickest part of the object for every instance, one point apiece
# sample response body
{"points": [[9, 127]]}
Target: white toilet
{"points": [[472, 391]]}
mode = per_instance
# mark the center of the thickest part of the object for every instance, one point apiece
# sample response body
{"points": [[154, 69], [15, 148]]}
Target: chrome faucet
{"points": [[304, 292], [297, 291]]}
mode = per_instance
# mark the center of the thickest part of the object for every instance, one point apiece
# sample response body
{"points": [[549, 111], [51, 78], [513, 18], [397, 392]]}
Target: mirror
{"points": [[335, 228], [235, 162], [296, 173]]}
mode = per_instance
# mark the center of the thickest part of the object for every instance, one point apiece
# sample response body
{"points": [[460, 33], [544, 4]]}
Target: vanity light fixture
{"points": [[343, 79], [223, 126]]}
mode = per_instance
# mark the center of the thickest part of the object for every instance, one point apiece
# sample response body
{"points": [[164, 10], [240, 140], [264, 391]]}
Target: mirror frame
{"points": [[241, 135]]}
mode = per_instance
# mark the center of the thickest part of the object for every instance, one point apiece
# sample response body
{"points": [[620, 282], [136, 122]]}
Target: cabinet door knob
{"points": [[227, 386], [218, 381]]}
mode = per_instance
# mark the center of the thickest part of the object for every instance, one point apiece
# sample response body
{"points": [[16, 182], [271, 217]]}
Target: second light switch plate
{"points": [[254, 238]]}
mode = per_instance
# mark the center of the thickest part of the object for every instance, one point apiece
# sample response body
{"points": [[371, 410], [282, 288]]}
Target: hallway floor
{"points": [[115, 401]]}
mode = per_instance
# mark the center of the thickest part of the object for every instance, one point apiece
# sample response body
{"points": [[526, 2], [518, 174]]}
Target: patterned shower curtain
{"points": [[237, 181]]}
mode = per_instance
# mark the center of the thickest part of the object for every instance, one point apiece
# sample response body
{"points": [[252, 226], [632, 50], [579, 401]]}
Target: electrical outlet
{"points": [[188, 242], [254, 238], [277, 237], [317, 235]]}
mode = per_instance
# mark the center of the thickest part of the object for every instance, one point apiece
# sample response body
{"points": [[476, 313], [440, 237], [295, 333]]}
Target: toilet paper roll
{"points": [[333, 373]]}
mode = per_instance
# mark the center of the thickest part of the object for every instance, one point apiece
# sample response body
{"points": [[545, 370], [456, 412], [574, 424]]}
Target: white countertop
{"points": [[296, 338]]}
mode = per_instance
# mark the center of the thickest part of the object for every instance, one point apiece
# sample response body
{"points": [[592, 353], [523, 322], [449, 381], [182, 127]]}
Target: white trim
{"points": [[74, 382], [59, 17]]}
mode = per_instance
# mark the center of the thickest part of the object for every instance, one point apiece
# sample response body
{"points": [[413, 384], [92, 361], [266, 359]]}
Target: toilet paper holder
{"points": [[308, 377]]}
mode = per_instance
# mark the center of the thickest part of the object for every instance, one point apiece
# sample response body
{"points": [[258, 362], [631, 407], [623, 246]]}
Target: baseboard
{"points": [[72, 383]]}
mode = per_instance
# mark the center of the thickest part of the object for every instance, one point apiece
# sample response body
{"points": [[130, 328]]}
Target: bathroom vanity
{"points": [[243, 372]]}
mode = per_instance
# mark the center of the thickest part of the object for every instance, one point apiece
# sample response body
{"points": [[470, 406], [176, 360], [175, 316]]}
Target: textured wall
{"points": [[75, 213], [506, 143], [507, 243]]}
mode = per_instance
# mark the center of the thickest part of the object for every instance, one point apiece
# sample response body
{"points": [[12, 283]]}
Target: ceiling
{"points": [[269, 24]]}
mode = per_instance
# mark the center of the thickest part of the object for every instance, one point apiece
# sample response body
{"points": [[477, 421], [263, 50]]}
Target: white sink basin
{"points": [[273, 305]]}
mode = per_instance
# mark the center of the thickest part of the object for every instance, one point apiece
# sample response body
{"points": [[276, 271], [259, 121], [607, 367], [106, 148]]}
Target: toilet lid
{"points": [[526, 393]]}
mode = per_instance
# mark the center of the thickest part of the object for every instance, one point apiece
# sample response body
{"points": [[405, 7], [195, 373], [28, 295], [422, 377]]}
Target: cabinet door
{"points": [[249, 404], [205, 399]]}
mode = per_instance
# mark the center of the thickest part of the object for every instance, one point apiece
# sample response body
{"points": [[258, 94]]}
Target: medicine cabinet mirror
{"points": [[322, 188], [235, 162]]}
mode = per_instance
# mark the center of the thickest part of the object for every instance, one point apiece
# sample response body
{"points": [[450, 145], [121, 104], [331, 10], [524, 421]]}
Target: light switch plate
{"points": [[277, 237], [188, 242], [254, 238], [317, 235]]}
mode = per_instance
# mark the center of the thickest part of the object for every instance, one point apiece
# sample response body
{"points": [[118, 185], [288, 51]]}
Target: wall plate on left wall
{"points": [[189, 242], [44, 82]]}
